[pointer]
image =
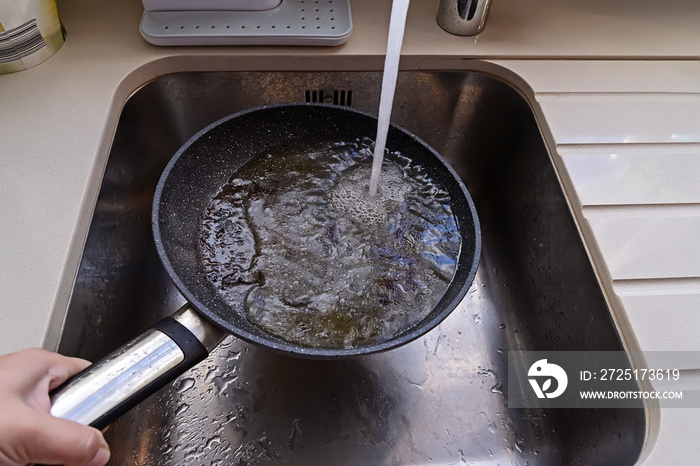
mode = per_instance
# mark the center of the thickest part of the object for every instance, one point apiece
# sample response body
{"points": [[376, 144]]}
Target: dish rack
{"points": [[291, 22]]}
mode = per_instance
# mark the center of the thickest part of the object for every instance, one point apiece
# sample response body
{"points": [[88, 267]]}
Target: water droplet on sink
{"points": [[502, 326], [492, 427], [233, 356], [182, 409], [295, 434], [489, 423], [213, 442], [185, 385], [520, 446]]}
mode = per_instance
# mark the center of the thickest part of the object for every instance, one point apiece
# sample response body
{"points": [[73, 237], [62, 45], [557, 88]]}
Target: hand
{"points": [[28, 433]]}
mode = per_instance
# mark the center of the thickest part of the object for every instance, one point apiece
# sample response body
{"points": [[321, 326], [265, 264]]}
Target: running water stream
{"points": [[397, 25]]}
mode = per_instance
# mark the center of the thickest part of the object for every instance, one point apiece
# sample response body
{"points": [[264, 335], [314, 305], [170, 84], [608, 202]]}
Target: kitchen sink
{"points": [[441, 399]]}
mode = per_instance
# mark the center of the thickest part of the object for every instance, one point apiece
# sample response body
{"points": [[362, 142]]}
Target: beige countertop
{"points": [[615, 84]]}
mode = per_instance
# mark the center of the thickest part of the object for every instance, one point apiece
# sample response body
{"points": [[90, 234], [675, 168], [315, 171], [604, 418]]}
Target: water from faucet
{"points": [[397, 25]]}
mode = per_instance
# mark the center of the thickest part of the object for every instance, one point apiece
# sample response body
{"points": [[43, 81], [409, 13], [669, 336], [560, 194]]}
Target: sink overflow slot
{"points": [[339, 97]]}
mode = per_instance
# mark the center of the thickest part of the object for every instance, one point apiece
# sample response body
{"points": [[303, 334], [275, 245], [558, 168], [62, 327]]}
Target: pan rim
{"points": [[410, 334]]}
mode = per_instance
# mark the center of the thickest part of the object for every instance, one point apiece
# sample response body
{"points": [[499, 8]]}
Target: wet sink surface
{"points": [[438, 400]]}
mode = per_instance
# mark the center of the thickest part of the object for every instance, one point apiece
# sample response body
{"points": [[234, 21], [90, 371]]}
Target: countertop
{"points": [[616, 86]]}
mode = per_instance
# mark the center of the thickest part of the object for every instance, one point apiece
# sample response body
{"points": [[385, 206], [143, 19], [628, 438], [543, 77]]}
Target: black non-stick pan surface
{"points": [[207, 161]]}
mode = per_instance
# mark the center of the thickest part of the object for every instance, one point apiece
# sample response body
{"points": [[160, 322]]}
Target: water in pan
{"points": [[319, 262]]}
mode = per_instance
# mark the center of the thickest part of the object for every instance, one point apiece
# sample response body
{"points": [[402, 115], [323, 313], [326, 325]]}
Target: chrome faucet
{"points": [[463, 17]]}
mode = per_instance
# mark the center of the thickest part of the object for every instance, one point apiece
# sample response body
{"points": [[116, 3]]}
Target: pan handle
{"points": [[112, 386]]}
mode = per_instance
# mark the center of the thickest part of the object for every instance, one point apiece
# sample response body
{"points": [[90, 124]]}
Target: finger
{"points": [[32, 374], [30, 367], [62, 368], [51, 440]]}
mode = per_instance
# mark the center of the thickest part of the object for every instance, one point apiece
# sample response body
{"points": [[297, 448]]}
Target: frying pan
{"points": [[115, 384]]}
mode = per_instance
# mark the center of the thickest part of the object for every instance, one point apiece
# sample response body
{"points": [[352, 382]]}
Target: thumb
{"points": [[54, 440]]}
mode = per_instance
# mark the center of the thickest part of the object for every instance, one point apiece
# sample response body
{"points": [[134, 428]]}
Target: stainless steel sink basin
{"points": [[438, 400]]}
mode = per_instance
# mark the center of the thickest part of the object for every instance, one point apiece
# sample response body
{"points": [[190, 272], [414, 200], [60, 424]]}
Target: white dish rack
{"points": [[272, 22], [209, 5]]}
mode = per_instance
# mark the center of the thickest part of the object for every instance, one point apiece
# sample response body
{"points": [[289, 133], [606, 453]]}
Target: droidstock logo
{"points": [[543, 371]]}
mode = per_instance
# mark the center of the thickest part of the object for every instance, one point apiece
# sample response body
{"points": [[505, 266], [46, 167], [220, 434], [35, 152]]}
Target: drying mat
{"points": [[294, 22]]}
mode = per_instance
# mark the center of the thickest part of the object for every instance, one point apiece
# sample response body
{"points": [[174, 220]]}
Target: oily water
{"points": [[316, 259]]}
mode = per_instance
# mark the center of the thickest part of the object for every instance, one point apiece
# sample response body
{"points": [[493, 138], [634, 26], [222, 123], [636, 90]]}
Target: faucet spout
{"points": [[463, 17]]}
